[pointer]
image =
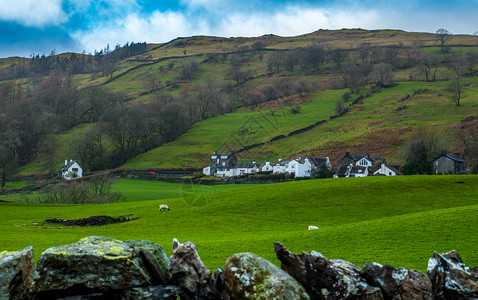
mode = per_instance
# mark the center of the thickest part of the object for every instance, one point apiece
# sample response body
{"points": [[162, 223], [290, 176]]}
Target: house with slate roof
{"points": [[318, 161], [448, 163], [70, 170], [360, 160]]}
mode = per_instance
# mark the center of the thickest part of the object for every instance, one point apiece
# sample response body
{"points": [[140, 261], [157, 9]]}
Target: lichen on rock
{"points": [[16, 273], [249, 276]]}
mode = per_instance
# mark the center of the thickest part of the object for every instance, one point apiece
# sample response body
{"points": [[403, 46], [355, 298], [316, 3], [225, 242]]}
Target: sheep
{"points": [[312, 227], [163, 207]]}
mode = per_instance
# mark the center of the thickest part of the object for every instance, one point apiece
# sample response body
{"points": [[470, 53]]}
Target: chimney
{"points": [[71, 160], [279, 160], [66, 162]]}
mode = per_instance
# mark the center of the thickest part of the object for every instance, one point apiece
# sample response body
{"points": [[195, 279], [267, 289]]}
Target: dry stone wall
{"points": [[105, 268]]}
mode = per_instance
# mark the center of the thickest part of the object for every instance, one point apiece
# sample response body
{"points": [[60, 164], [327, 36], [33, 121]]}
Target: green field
{"points": [[396, 220]]}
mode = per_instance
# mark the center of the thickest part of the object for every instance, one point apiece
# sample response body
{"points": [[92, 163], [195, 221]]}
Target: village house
{"points": [[386, 170], [359, 165], [70, 170], [318, 161], [360, 160], [226, 165], [448, 163]]}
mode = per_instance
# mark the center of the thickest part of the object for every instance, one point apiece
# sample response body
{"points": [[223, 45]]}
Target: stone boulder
{"points": [[99, 264], [326, 279], [451, 278], [195, 279], [249, 276], [16, 274], [398, 283]]}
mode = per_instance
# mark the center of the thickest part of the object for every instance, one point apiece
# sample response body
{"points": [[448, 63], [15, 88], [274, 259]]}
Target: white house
{"points": [[207, 171], [387, 171], [299, 168], [267, 167], [280, 166], [70, 170]]}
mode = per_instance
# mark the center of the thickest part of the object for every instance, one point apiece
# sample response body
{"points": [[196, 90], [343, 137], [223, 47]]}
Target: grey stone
{"points": [[326, 279], [16, 274], [451, 278], [155, 292], [195, 279], [249, 276], [398, 283], [96, 264]]}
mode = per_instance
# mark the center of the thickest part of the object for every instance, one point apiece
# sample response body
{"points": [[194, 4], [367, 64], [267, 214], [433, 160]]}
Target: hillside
{"points": [[173, 104]]}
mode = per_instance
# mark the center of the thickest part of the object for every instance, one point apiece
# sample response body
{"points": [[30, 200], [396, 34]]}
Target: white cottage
{"points": [[299, 168], [70, 170], [387, 171]]}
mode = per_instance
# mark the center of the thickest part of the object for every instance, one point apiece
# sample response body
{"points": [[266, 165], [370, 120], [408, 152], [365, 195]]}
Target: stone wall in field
{"points": [[105, 268]]}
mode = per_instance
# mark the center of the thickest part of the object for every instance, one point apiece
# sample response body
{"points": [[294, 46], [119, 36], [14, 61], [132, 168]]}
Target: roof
{"points": [[359, 157], [358, 170], [452, 157], [67, 166], [342, 170], [318, 161], [394, 170], [246, 165]]}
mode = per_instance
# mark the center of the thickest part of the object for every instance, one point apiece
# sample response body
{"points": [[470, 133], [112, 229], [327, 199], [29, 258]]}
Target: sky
{"points": [[42, 26]]}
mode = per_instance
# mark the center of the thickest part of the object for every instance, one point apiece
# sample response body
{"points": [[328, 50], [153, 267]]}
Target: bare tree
{"points": [[468, 135], [382, 75], [457, 89], [443, 36], [428, 62], [338, 56]]}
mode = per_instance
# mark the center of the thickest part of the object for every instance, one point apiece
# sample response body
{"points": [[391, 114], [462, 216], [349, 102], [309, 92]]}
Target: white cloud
{"points": [[154, 28], [160, 27], [35, 13]]}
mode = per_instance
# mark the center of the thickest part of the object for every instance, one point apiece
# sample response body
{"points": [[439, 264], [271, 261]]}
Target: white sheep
{"points": [[312, 227], [163, 207]]}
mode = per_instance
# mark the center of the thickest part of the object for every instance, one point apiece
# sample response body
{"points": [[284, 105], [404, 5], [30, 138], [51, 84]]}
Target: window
{"points": [[390, 173], [223, 163], [74, 169]]}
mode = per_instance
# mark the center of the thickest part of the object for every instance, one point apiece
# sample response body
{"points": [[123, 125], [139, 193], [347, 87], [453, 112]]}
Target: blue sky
{"points": [[40, 26]]}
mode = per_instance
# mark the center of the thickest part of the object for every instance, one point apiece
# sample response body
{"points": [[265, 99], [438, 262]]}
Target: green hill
{"points": [[179, 101]]}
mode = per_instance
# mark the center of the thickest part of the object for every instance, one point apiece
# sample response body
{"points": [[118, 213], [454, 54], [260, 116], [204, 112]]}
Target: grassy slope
{"points": [[399, 220], [60, 153], [374, 127]]}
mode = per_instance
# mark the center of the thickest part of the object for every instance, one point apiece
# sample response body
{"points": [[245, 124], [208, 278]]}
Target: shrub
{"points": [[96, 190]]}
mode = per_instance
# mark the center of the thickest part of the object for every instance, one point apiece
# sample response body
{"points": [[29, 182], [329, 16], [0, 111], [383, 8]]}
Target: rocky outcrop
{"points": [[451, 278], [398, 283], [99, 264], [16, 274], [104, 268], [249, 276], [189, 272], [326, 279]]}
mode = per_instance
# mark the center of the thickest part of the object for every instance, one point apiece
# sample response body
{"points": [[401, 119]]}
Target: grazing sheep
{"points": [[312, 227], [163, 207]]}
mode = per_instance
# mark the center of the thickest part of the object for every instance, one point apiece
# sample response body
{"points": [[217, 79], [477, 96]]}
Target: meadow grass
{"points": [[396, 220]]}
